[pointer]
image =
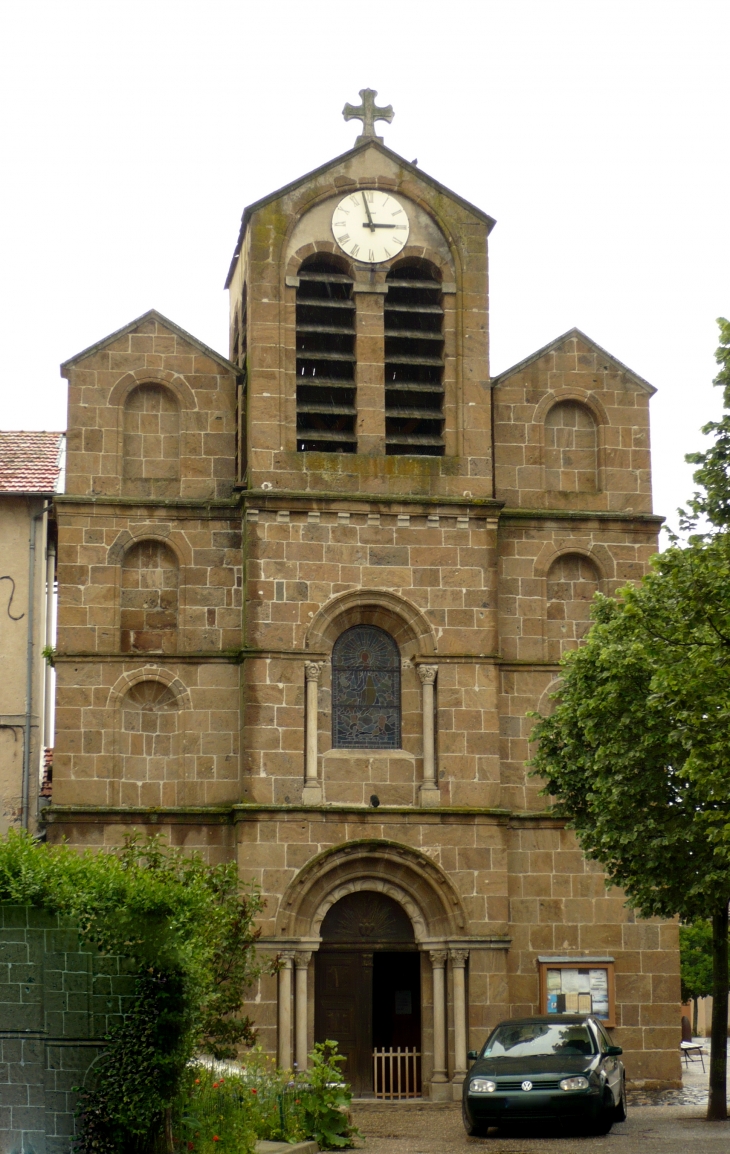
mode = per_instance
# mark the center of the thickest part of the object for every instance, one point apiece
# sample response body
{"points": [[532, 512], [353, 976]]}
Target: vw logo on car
{"points": [[527, 1085]]}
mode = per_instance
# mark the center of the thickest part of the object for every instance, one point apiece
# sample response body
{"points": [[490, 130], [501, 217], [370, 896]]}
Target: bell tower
{"points": [[358, 307]]}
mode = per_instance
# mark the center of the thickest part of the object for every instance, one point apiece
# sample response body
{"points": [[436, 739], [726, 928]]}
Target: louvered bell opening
{"points": [[414, 362], [325, 359]]}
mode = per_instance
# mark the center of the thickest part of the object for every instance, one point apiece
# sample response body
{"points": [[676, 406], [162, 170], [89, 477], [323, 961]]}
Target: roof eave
{"points": [[574, 332], [151, 314], [294, 184]]}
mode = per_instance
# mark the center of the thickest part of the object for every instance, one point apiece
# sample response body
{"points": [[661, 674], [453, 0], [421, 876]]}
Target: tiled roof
{"points": [[29, 462]]}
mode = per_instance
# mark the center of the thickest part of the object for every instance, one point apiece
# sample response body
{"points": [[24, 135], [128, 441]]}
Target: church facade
{"points": [[309, 594]]}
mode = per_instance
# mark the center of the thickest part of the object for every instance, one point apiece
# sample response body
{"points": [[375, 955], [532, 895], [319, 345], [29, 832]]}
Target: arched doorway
{"points": [[368, 984]]}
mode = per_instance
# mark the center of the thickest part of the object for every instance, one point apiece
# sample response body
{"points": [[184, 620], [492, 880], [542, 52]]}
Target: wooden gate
{"points": [[397, 1073]]}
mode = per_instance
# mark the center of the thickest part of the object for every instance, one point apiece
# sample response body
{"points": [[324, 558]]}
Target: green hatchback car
{"points": [[561, 1067]]}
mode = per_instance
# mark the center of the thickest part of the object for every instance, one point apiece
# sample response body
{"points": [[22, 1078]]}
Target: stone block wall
{"points": [[152, 734], [540, 615], [550, 412], [188, 601], [151, 413]]}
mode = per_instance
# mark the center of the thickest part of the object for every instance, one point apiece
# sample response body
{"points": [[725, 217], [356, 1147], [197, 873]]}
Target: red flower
{"points": [[216, 1138], [254, 1090], [197, 1081]]}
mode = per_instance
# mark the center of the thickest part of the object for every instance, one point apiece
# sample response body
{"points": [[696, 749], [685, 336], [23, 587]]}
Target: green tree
{"points": [[695, 953], [713, 474], [636, 750]]}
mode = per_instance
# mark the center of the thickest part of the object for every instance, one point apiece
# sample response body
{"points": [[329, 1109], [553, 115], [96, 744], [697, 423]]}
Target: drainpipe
{"points": [[29, 666], [48, 675]]}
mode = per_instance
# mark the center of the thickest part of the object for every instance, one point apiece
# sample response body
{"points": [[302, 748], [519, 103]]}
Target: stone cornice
{"points": [[229, 814], [580, 515]]}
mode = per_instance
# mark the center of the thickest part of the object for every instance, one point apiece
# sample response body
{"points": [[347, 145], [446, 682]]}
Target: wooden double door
{"points": [[365, 998]]}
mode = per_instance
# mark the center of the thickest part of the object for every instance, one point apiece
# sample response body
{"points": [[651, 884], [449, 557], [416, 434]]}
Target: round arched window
{"points": [[365, 690]]}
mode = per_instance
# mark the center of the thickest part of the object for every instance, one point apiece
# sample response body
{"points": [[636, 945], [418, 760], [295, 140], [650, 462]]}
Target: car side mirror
{"points": [[473, 1055], [614, 1051]]}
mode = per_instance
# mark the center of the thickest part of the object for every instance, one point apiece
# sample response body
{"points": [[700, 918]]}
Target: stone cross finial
{"points": [[368, 112]]}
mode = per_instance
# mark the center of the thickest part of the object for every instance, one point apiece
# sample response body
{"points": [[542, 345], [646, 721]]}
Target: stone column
{"points": [[312, 792], [285, 1009], [302, 959], [370, 368], [429, 792], [439, 1082], [458, 964]]}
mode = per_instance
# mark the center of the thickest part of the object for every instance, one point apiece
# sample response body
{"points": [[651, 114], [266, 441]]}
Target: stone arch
{"points": [[173, 381], [570, 584], [320, 248], [588, 409], [149, 597], [124, 683], [149, 707], [408, 876], [570, 448], [313, 196], [399, 617], [149, 532], [597, 554], [544, 704], [150, 441]]}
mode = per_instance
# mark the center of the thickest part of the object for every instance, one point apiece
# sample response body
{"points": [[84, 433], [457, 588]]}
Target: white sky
{"points": [[133, 133]]}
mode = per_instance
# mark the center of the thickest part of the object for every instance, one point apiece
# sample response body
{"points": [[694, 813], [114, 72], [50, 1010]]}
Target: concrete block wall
{"points": [[58, 1000]]}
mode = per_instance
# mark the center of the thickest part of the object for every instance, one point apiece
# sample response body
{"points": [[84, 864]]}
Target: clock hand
{"points": [[373, 225], [370, 224]]}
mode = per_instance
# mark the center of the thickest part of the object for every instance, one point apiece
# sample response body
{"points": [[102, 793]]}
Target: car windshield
{"points": [[539, 1040]]}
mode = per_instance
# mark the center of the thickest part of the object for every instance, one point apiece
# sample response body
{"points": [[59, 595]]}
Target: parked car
{"points": [[562, 1067]]}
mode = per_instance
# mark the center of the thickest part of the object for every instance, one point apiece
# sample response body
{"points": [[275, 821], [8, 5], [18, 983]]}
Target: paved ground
{"points": [[423, 1129], [668, 1122]]}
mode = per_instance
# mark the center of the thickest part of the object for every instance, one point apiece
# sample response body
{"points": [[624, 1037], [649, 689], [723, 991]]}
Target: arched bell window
{"points": [[365, 690]]}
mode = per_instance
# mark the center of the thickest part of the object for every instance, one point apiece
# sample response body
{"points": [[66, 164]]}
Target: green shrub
{"points": [[230, 1108]]}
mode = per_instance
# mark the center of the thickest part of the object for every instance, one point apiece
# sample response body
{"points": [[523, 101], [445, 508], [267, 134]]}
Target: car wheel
{"points": [[473, 1129], [604, 1121], [621, 1109]]}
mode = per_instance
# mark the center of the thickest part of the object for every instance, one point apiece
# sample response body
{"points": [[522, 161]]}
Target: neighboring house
{"points": [[30, 468]]}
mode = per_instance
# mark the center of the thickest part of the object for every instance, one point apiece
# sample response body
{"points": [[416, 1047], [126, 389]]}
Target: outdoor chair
{"points": [[688, 1047]]}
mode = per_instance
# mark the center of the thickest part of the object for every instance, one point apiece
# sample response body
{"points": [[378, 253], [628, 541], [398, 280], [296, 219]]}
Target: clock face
{"points": [[370, 225]]}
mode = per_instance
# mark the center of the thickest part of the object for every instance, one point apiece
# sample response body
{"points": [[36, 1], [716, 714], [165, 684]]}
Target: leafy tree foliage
{"points": [[713, 474], [695, 952], [636, 751], [186, 931]]}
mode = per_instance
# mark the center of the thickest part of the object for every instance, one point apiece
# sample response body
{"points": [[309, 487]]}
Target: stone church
{"points": [[309, 593]]}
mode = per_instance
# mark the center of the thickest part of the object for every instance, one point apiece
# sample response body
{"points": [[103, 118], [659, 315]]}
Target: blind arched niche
{"points": [[151, 443]]}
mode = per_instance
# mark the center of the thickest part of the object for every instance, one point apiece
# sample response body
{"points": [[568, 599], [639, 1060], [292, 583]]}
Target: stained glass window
{"points": [[365, 690]]}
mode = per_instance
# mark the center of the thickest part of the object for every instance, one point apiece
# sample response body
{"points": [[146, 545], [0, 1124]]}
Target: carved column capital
{"points": [[312, 670], [286, 957], [302, 958], [427, 674], [438, 958], [459, 958]]}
